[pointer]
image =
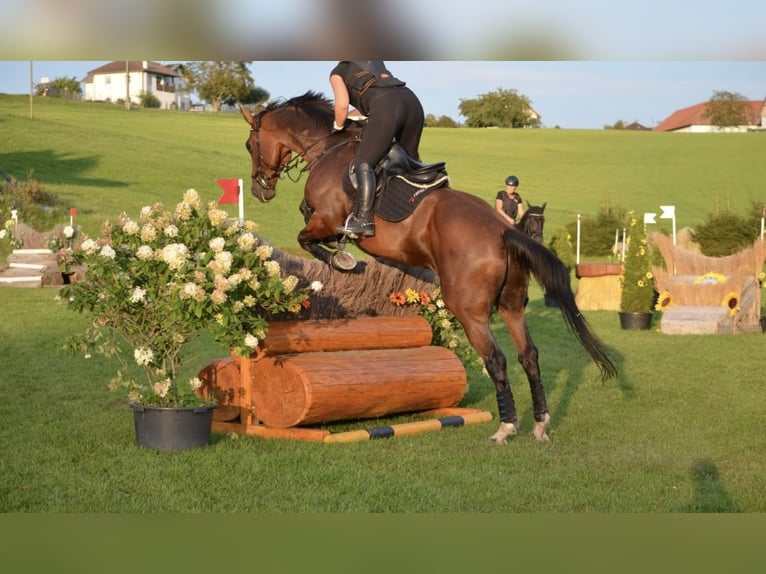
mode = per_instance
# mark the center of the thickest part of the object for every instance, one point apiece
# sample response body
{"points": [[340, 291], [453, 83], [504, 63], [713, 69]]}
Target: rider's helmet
{"points": [[512, 180]]}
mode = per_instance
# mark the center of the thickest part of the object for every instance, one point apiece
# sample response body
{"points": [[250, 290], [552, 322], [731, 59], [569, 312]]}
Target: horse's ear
{"points": [[246, 114], [543, 205]]}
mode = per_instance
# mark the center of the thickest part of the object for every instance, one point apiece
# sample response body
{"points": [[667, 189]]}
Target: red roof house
{"points": [[693, 119]]}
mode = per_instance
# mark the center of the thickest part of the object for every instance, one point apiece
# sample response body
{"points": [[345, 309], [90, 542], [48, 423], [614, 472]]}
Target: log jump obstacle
{"points": [[319, 371]]}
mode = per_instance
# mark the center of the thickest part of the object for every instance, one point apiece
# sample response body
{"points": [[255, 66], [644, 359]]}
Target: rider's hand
{"points": [[336, 128]]}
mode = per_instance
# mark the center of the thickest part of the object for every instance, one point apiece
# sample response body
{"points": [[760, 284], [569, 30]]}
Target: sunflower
{"points": [[711, 277], [731, 301], [664, 301]]}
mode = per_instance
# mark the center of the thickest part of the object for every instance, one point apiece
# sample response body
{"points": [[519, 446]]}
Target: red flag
{"points": [[230, 191], [72, 211]]}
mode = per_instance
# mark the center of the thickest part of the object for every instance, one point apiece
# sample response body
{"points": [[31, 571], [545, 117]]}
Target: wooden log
{"points": [[222, 382], [283, 337], [309, 388]]}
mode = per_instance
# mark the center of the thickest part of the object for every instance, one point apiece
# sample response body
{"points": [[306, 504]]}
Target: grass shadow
{"points": [[50, 166]]}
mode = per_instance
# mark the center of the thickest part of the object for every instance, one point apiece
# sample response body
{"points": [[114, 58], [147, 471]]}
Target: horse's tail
{"points": [[554, 278]]}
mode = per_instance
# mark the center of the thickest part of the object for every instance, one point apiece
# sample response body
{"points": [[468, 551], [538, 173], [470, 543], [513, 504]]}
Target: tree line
{"points": [[231, 83]]}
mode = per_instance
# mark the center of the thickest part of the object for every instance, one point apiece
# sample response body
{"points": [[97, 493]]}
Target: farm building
{"points": [[129, 79]]}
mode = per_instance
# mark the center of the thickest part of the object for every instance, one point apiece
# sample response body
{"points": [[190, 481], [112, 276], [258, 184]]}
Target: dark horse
{"points": [[481, 262], [533, 221]]}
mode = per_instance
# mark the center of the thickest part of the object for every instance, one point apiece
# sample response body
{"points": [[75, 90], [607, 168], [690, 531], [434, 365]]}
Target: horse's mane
{"points": [[314, 104]]}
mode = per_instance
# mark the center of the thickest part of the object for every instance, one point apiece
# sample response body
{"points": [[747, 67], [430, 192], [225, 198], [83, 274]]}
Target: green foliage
{"points": [[36, 206], [726, 232], [597, 233], [149, 100], [67, 87], [637, 294], [618, 125], [501, 108], [728, 109], [441, 122], [219, 82], [561, 244]]}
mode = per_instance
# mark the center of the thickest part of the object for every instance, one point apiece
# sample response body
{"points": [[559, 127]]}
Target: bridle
{"points": [[260, 177], [287, 168], [537, 232]]}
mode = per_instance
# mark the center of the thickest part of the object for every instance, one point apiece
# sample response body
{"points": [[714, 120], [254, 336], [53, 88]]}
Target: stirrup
{"points": [[353, 227]]}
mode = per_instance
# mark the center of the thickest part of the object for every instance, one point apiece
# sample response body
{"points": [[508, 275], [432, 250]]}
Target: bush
{"points": [[726, 232], [36, 207], [149, 100], [597, 234], [561, 245]]}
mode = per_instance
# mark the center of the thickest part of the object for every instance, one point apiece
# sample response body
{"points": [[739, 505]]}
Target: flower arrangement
{"points": [[637, 279], [710, 278], [63, 246], [7, 233], [152, 284], [447, 331]]}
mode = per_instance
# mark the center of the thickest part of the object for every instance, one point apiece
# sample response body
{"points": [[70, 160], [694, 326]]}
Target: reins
{"points": [[286, 170]]}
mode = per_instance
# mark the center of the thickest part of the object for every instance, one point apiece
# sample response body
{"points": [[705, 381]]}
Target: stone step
{"points": [[21, 281], [32, 252], [34, 266]]}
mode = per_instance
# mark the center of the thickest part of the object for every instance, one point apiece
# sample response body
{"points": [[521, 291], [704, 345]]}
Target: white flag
{"points": [[649, 218], [668, 211]]}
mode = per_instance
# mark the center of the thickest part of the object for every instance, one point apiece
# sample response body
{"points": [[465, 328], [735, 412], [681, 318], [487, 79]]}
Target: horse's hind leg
{"points": [[528, 359]]}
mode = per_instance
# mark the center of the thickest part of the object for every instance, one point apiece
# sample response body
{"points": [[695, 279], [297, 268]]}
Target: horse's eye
{"points": [[247, 145]]}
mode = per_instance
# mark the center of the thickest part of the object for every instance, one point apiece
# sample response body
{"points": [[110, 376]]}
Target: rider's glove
{"points": [[336, 128]]}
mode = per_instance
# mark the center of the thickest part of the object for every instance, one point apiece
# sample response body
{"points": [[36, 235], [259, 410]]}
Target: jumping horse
{"points": [[481, 262]]}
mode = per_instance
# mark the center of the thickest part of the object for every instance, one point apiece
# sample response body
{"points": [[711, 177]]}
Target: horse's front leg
{"points": [[326, 248]]}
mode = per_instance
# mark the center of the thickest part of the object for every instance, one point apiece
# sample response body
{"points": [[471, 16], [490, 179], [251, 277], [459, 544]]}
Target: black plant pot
{"points": [[635, 321], [172, 429]]}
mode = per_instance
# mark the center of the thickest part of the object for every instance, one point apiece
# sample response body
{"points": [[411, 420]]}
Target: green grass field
{"points": [[679, 431]]}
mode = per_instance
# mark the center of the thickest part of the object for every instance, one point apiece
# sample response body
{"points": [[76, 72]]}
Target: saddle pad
{"points": [[395, 199]]}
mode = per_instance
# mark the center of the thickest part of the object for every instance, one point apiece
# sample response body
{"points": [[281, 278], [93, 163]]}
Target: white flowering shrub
{"points": [[153, 283]]}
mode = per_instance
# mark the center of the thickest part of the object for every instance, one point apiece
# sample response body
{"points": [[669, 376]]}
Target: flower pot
{"points": [[172, 428], [638, 320]]}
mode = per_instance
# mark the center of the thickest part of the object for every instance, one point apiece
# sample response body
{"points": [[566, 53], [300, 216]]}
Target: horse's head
{"points": [[269, 153], [533, 221]]}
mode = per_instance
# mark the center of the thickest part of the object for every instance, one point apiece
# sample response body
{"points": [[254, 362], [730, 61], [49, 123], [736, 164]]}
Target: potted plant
{"points": [[637, 281], [152, 284]]}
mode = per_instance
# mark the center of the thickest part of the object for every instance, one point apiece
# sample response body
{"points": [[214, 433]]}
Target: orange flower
{"points": [[425, 299], [397, 299]]}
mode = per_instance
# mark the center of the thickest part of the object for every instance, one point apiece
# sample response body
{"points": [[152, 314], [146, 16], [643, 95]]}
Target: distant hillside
{"points": [[103, 159]]}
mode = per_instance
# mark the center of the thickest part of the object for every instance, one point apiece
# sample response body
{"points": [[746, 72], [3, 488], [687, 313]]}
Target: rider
{"points": [[508, 201], [393, 112]]}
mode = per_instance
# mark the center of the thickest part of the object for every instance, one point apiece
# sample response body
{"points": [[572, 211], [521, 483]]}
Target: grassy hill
{"points": [[103, 159]]}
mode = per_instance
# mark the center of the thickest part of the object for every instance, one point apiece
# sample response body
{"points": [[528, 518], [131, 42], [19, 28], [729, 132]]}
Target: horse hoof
{"points": [[502, 434], [343, 261], [540, 432]]}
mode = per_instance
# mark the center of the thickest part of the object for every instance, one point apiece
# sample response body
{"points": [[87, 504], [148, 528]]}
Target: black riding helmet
{"points": [[512, 180]]}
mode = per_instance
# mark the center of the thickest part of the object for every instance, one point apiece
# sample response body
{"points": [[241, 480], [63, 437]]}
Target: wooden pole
{"points": [[31, 92]]}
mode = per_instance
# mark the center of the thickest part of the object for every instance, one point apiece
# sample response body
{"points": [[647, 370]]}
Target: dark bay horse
{"points": [[481, 262], [533, 221]]}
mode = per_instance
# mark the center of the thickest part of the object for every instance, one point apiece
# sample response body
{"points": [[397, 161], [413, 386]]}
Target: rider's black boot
{"points": [[361, 223]]}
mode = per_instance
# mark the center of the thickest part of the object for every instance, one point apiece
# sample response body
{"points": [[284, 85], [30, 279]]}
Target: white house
{"points": [[129, 79]]}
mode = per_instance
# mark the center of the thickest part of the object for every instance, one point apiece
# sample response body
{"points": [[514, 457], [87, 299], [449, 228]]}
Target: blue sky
{"points": [[569, 94]]}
